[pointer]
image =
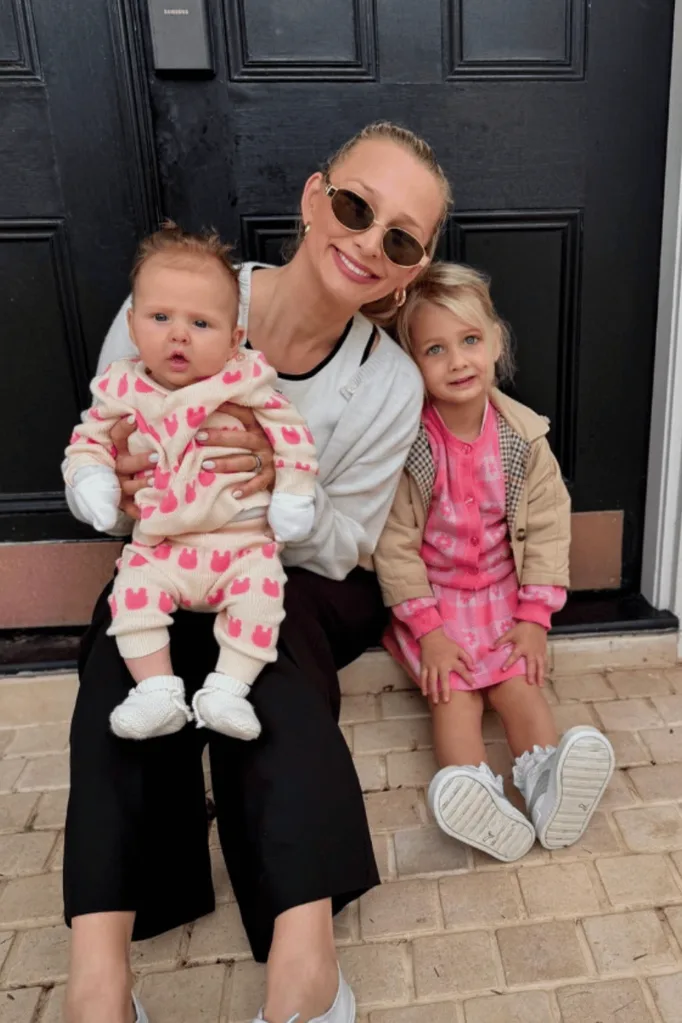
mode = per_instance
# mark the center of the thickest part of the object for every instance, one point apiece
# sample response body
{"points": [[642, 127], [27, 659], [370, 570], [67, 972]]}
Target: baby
{"points": [[195, 545]]}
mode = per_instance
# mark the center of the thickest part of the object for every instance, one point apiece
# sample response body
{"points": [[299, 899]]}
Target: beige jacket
{"points": [[538, 509]]}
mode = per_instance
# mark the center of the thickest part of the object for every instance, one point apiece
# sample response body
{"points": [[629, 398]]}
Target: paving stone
{"points": [[628, 715], [6, 939], [53, 1011], [39, 956], [374, 672], [628, 942], [56, 861], [570, 715], [411, 769], [19, 1006], [582, 688], [675, 677], [371, 771], [347, 924], [221, 879], [37, 701], [524, 1007], [635, 880], [39, 740], [454, 964], [629, 749], [390, 811], [559, 889], [477, 900], [400, 908], [383, 854], [597, 840], [379, 974], [669, 708], [247, 991], [486, 863], [219, 935], [492, 727], [31, 901], [161, 952], [629, 684], [651, 828], [15, 810], [6, 737], [24, 854], [665, 744], [195, 994], [390, 736], [358, 708], [618, 1001], [618, 793], [10, 771], [434, 1012], [51, 811], [404, 705], [657, 782], [428, 851], [667, 992], [541, 952], [44, 773]]}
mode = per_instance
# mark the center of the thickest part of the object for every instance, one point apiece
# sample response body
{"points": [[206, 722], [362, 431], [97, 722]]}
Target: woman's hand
{"points": [[530, 641], [133, 471], [260, 458], [440, 656]]}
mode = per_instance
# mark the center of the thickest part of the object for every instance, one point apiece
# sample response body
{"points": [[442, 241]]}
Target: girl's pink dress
{"points": [[466, 550]]}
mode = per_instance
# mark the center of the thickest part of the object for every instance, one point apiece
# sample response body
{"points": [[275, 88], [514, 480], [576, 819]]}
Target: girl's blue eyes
{"points": [[434, 350], [470, 341]]}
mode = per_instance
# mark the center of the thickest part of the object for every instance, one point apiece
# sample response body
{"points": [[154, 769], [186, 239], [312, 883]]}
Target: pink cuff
{"points": [[424, 621], [539, 614]]}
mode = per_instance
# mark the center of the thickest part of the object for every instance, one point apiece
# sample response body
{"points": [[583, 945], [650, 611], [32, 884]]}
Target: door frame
{"points": [[662, 552]]}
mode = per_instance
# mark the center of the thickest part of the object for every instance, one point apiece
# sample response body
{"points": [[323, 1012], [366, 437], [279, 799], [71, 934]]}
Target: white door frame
{"points": [[662, 561]]}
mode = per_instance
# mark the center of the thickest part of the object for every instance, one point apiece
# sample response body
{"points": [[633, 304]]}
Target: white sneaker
{"points": [[220, 704], [562, 787], [152, 708], [141, 1015], [469, 804], [341, 1011]]}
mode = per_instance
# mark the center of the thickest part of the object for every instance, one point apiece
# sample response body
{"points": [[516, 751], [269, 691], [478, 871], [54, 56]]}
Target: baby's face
{"points": [[183, 319]]}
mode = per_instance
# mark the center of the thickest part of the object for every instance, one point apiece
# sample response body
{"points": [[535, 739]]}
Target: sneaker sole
{"points": [[584, 766], [469, 811]]}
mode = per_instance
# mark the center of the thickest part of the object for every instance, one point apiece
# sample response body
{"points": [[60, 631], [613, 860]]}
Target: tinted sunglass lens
{"points": [[352, 211], [401, 248]]}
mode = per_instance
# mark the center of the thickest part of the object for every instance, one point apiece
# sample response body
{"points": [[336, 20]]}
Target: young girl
{"points": [[195, 545], [474, 561]]}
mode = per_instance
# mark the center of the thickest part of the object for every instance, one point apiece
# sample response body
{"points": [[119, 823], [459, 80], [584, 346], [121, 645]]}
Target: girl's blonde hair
{"points": [[465, 292], [383, 312], [171, 241]]}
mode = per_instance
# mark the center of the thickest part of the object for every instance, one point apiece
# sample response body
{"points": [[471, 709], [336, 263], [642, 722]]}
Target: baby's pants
{"points": [[236, 573]]}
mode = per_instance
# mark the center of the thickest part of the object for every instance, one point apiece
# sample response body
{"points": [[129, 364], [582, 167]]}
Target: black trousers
{"points": [[290, 812]]}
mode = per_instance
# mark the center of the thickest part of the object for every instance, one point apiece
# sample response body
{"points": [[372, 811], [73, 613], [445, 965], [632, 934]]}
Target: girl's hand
{"points": [[254, 440], [440, 656], [530, 641], [132, 470]]}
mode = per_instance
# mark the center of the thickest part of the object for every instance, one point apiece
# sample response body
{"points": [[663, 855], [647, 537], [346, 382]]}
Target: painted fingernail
{"points": [[149, 474], [238, 494], [154, 458], [208, 464], [131, 420], [202, 435]]}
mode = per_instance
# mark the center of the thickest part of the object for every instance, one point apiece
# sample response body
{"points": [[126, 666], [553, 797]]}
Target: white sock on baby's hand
{"points": [[97, 494], [291, 516]]}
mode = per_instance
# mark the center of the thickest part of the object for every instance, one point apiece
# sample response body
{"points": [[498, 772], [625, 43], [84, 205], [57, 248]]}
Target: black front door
{"points": [[549, 117], [71, 207]]}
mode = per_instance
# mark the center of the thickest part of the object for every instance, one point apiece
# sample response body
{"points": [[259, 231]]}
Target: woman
{"points": [[289, 806]]}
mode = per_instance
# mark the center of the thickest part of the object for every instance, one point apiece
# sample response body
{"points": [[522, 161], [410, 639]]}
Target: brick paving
{"points": [[591, 934]]}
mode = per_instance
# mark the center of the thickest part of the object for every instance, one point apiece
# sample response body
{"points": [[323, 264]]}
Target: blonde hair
{"points": [[171, 241], [465, 292], [383, 312]]}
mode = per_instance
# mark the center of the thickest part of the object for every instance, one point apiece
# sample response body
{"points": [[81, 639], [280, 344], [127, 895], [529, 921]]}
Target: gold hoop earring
{"points": [[400, 295], [306, 228]]}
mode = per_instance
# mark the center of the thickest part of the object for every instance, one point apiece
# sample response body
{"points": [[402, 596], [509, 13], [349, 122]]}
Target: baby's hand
{"points": [[440, 656], [291, 517], [530, 641], [97, 493]]}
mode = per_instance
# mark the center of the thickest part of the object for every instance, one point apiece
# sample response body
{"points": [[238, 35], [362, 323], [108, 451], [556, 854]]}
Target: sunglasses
{"points": [[355, 214]]}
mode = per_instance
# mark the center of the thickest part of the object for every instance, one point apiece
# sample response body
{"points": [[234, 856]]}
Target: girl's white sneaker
{"points": [[342, 1009], [141, 1015]]}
